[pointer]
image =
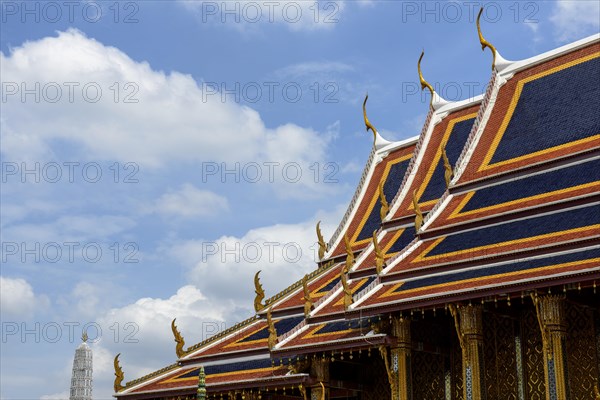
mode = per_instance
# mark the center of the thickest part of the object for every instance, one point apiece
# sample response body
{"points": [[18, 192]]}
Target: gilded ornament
{"points": [[424, 83], [178, 339], [322, 244], [385, 207], [308, 302], [260, 293], [447, 167], [485, 43], [368, 124], [272, 331], [349, 253], [379, 256], [119, 375], [418, 213]]}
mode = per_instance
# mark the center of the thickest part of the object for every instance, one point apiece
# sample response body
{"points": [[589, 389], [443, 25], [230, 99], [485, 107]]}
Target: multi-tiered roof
{"points": [[498, 195]]}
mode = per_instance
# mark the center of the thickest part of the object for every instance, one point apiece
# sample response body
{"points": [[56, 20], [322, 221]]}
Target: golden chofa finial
{"points": [[322, 244], [418, 213], [308, 302], [346, 289], [260, 293], [485, 43], [448, 172], [178, 339], [424, 83], [119, 375], [385, 207], [272, 331], [379, 256], [349, 253], [368, 124], [322, 391]]}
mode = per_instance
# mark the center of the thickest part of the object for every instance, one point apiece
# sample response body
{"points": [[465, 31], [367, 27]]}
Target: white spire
{"points": [[81, 380]]}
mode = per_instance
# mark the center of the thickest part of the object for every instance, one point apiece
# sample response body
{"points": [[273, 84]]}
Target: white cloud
{"points": [[141, 332], [574, 18], [248, 15], [189, 201], [224, 268], [173, 120], [17, 298]]}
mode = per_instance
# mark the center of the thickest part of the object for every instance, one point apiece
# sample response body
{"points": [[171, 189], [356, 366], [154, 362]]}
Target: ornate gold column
{"points": [[319, 369], [551, 317], [469, 328], [398, 363]]}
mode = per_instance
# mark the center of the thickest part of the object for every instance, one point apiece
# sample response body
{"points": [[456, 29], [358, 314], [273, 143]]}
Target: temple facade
{"points": [[466, 266]]}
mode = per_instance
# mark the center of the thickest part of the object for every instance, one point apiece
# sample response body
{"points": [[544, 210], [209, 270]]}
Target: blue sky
{"points": [[162, 98]]}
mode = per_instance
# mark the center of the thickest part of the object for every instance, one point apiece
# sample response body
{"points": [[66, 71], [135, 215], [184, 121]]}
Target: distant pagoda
{"points": [[81, 380]]}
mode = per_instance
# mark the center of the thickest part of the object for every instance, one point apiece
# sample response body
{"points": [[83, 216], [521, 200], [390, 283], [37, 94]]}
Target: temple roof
{"points": [[219, 377], [388, 164], [520, 212]]}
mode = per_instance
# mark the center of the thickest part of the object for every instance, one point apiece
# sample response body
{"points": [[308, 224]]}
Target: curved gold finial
{"points": [[424, 83], [84, 337], [178, 339], [349, 253], [385, 207], [367, 122], [322, 391], [379, 256], [260, 293], [322, 244], [272, 330], [119, 375], [418, 213], [485, 43], [308, 302], [448, 172], [347, 291]]}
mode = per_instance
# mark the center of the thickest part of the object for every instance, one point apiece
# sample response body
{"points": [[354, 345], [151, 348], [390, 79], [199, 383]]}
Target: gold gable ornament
{"points": [[379, 255], [308, 302], [260, 293], [119, 375], [385, 207], [346, 289], [448, 172], [349, 253], [272, 331], [322, 244], [485, 43], [424, 83], [368, 124], [418, 213], [178, 339]]}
